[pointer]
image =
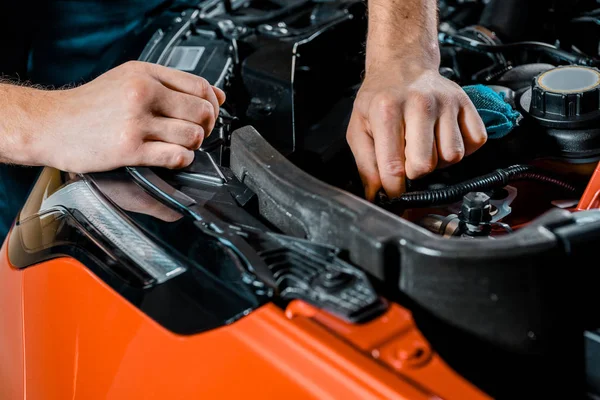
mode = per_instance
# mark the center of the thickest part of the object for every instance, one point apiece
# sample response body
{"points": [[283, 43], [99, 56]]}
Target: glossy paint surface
{"points": [[67, 335]]}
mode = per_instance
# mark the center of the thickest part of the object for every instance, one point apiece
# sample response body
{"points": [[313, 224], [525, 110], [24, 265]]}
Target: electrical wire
{"points": [[268, 16], [452, 193], [474, 45]]}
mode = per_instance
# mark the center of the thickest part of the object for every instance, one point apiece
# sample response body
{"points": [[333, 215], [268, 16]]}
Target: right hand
{"points": [[137, 114], [406, 124]]}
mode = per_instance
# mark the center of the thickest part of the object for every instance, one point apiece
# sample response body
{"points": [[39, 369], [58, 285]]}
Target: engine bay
{"points": [[482, 245], [284, 77]]}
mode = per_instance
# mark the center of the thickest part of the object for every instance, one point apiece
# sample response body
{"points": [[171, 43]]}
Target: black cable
{"points": [[268, 16], [480, 36], [453, 193], [594, 20], [263, 17], [474, 45]]}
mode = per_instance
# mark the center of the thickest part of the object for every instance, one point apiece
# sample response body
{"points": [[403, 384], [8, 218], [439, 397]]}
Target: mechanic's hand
{"points": [[408, 124], [137, 114]]}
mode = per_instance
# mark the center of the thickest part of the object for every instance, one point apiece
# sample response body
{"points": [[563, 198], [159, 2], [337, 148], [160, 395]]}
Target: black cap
{"points": [[567, 96]]}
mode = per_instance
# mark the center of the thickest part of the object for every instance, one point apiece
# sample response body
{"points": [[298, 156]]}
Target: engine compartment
{"points": [[284, 77], [495, 246]]}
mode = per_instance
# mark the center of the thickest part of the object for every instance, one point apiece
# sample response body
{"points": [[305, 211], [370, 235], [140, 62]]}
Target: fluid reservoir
{"points": [[565, 102]]}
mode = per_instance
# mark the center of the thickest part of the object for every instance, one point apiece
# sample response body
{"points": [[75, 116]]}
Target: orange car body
{"points": [[67, 335]]}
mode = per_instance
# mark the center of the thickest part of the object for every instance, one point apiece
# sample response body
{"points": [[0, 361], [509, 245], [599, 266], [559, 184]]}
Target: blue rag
{"points": [[498, 116]]}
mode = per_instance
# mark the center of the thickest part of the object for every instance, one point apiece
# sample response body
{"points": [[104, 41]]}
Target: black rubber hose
{"points": [[263, 17], [270, 15], [474, 45], [498, 178]]}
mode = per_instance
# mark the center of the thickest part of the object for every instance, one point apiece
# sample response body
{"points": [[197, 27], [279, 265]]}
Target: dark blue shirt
{"points": [[73, 35], [67, 38]]}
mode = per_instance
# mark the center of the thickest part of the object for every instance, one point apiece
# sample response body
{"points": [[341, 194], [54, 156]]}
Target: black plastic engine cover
{"points": [[512, 291], [199, 52]]}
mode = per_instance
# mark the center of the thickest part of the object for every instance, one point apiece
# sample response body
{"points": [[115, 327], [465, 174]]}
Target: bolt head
{"points": [[476, 199]]}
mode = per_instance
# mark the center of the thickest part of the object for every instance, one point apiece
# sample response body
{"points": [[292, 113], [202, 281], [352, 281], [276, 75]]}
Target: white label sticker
{"points": [[185, 58]]}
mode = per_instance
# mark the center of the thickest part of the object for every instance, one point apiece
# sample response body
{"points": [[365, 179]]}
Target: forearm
{"points": [[402, 30], [23, 111]]}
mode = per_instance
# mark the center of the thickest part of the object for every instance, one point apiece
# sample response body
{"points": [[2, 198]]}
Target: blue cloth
{"points": [[68, 39], [498, 116]]}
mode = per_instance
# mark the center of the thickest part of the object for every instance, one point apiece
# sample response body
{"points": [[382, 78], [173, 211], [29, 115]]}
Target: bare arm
{"points": [[402, 30], [407, 119], [21, 110], [136, 114]]}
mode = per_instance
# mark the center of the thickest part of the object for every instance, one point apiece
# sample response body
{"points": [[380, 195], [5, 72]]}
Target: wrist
{"points": [[16, 124], [404, 65], [35, 127]]}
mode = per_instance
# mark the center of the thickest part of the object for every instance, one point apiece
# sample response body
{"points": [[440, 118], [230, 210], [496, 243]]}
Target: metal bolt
{"points": [[475, 214], [476, 199]]}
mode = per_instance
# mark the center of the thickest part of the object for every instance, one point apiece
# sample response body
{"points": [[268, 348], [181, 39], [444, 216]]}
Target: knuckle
{"points": [[206, 110], [196, 137], [394, 168], [202, 87], [481, 139], [454, 155], [180, 160], [360, 105], [132, 65], [387, 105], [174, 161], [137, 91], [424, 102], [134, 69], [478, 138], [421, 167], [207, 114], [212, 120], [447, 100], [355, 127], [463, 100], [349, 138]]}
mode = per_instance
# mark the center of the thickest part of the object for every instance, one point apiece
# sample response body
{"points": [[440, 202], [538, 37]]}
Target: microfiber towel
{"points": [[498, 116]]}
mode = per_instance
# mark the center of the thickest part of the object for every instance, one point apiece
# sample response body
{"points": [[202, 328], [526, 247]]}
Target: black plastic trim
{"points": [[502, 290], [205, 297]]}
